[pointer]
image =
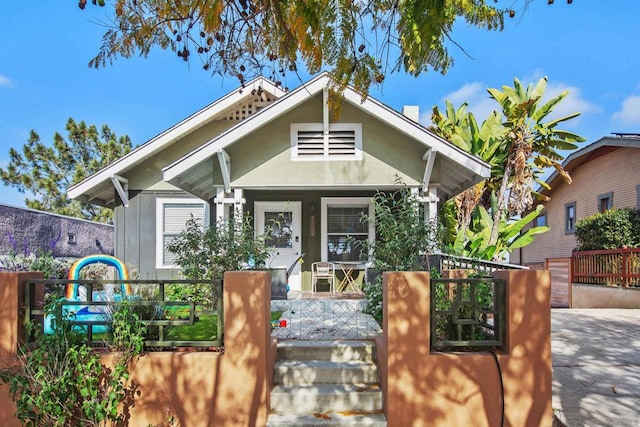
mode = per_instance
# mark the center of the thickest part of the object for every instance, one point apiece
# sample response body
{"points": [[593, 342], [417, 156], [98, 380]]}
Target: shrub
{"points": [[402, 236], [612, 229], [62, 382], [205, 254], [52, 268]]}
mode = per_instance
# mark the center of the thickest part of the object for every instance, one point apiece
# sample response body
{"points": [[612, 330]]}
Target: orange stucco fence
{"points": [[421, 388]]}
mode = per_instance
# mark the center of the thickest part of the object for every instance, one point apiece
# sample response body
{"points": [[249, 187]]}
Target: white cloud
{"points": [[481, 105], [465, 93], [573, 103], [4, 81], [630, 112]]}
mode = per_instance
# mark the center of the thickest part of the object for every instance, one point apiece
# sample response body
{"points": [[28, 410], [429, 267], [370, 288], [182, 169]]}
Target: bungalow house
{"points": [[282, 157], [605, 175]]}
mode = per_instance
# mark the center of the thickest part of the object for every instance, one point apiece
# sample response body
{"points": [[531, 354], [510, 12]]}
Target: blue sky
{"points": [[591, 48]]}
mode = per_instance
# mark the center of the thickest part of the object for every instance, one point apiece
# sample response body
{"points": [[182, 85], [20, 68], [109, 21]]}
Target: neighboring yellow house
{"points": [[605, 175], [284, 158]]}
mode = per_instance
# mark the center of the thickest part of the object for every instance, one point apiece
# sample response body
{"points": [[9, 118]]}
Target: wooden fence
{"points": [[616, 267]]}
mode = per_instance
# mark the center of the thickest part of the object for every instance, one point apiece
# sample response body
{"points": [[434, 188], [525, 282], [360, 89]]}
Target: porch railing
{"points": [[618, 267], [454, 262], [171, 318], [467, 314]]}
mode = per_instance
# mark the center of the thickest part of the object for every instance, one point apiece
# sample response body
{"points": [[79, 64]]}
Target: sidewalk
{"points": [[596, 367]]}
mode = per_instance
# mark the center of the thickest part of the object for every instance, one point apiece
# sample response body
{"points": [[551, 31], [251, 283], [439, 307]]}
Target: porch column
{"points": [[238, 202], [430, 200], [222, 203], [219, 204]]}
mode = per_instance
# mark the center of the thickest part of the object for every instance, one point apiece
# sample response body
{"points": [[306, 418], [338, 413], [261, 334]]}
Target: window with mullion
{"points": [[346, 232], [570, 218]]}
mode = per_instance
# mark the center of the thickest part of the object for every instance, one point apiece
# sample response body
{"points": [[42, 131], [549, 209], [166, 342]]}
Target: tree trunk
{"points": [[497, 214]]}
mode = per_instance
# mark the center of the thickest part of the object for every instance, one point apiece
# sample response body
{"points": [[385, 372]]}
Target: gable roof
{"points": [[190, 169], [98, 188], [463, 169], [589, 153]]}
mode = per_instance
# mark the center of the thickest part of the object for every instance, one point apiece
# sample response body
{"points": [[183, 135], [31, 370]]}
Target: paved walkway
{"points": [[596, 367]]}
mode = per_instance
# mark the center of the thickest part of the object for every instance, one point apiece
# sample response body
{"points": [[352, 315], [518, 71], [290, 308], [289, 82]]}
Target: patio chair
{"points": [[323, 271]]}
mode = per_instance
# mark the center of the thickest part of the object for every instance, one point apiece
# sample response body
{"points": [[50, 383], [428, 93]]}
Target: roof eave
{"points": [[170, 135]]}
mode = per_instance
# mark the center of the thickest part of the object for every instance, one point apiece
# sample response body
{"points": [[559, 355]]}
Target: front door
{"points": [[281, 225]]}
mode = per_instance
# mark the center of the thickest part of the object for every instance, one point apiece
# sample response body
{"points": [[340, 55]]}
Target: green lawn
{"points": [[204, 329]]}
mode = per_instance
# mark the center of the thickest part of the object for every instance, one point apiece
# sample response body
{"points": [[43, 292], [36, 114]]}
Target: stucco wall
{"points": [[599, 296], [463, 389], [615, 172], [420, 388], [27, 230], [196, 388]]}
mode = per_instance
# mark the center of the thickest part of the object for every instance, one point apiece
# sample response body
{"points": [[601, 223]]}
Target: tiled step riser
{"points": [[301, 401], [335, 420], [308, 375], [344, 352]]}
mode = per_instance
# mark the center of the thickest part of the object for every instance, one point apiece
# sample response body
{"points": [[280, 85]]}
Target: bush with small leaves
{"points": [[613, 229], [63, 382]]}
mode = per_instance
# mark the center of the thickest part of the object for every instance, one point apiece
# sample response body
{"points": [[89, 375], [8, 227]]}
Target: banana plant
{"points": [[475, 242], [531, 145], [461, 128]]}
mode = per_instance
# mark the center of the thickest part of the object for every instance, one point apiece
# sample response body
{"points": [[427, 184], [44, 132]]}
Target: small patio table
{"points": [[348, 280]]}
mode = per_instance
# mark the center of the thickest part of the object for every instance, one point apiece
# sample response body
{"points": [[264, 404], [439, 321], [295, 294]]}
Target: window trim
{"points": [[567, 229], [343, 202], [160, 203], [297, 127], [603, 197]]}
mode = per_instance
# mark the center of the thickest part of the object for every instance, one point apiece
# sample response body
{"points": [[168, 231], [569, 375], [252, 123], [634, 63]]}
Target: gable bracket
{"points": [[225, 169], [430, 157], [122, 188]]}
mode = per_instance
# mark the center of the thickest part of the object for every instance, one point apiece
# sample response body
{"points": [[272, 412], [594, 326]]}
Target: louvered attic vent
{"points": [[344, 142]]}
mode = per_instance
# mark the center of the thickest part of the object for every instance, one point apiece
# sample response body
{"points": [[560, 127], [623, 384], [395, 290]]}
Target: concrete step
{"points": [[308, 372], [324, 419], [323, 397], [336, 351]]}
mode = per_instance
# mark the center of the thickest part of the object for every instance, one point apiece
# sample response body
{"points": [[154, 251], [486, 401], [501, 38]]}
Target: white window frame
{"points": [[160, 204], [342, 202], [318, 127]]}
